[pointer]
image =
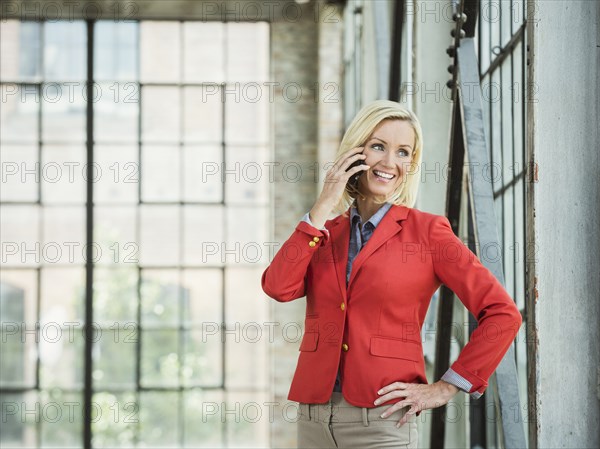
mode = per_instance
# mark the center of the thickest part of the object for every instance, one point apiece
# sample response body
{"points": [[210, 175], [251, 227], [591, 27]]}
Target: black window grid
{"points": [[86, 390]]}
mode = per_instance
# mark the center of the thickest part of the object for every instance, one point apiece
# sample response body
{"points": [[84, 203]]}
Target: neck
{"points": [[366, 207]]}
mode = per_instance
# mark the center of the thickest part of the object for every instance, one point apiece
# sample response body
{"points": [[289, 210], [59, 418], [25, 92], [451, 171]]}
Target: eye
{"points": [[377, 145], [404, 152]]}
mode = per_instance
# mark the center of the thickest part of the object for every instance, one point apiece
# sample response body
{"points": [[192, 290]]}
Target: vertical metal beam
{"points": [[382, 46], [446, 302], [484, 217], [531, 294], [89, 235], [396, 52], [477, 417]]}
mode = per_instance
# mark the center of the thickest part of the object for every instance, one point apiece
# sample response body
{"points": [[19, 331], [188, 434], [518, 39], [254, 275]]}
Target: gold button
{"points": [[311, 244], [345, 347], [316, 239], [342, 306]]}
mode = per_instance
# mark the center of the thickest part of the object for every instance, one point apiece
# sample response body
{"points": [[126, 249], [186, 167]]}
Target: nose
{"points": [[388, 159]]}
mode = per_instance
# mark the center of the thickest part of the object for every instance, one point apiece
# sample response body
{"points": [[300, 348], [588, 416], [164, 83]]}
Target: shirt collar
{"points": [[375, 219]]}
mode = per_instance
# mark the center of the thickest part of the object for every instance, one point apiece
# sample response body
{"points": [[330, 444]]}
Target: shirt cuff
{"points": [[306, 218], [452, 377]]}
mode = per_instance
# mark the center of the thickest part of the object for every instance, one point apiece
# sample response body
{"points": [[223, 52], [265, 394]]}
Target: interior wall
{"points": [[565, 90]]}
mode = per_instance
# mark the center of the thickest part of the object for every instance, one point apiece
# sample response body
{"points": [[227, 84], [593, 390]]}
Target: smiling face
{"points": [[389, 151]]}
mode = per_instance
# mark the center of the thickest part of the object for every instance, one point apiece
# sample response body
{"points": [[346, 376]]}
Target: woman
{"points": [[368, 276]]}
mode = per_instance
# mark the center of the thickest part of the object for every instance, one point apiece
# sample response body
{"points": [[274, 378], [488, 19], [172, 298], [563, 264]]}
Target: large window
{"points": [[178, 126], [502, 63]]}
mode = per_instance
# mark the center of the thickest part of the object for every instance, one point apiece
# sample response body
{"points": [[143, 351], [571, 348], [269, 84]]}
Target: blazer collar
{"points": [[340, 236]]}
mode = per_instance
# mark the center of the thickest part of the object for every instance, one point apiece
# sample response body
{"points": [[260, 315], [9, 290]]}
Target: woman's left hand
{"points": [[418, 396]]}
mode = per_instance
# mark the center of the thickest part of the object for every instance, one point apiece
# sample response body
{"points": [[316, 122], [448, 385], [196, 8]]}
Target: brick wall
{"points": [[305, 55]]}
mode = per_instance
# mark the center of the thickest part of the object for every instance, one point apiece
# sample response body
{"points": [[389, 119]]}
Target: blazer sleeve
{"points": [[284, 279], [483, 295]]}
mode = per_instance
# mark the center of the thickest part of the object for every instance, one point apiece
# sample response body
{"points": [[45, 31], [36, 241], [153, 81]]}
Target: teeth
{"points": [[383, 175]]}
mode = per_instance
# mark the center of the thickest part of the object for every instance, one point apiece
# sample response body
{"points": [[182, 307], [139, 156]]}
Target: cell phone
{"points": [[353, 181]]}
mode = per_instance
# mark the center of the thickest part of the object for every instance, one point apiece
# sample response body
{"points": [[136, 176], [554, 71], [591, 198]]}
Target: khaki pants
{"points": [[340, 424]]}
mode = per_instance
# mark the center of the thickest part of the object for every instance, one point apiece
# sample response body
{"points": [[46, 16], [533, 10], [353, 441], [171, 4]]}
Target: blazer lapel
{"points": [[340, 237], [389, 226]]}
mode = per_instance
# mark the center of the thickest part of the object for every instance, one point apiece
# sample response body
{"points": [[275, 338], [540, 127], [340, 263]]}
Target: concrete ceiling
{"points": [[205, 10]]}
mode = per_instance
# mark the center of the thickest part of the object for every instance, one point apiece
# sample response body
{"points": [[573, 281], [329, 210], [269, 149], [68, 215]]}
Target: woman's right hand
{"points": [[335, 182]]}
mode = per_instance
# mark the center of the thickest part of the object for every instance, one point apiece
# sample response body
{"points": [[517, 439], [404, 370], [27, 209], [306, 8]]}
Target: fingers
{"points": [[406, 417], [343, 172], [395, 407], [391, 395], [393, 386], [343, 165], [346, 158]]}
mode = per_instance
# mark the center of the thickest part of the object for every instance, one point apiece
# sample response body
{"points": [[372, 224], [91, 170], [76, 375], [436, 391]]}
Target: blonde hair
{"points": [[359, 131]]}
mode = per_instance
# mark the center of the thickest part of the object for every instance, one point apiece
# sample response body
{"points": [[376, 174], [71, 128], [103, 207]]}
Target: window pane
{"points": [[63, 112], [203, 289], [505, 21], [247, 52], [65, 46], [203, 239], [160, 359], [62, 298], [245, 304], [115, 295], [246, 359], [161, 173], [496, 142], [493, 16], [202, 359], [115, 357], [160, 52], [115, 420], [160, 298], [252, 429], [202, 168], [508, 168], [20, 172], [116, 110], [203, 52], [20, 54], [203, 116], [61, 361], [64, 171], [203, 422], [120, 174], [20, 235], [115, 232], [19, 113], [159, 416], [64, 235], [248, 168], [247, 228], [518, 99], [62, 419], [18, 299], [484, 36], [116, 51], [19, 429], [246, 115], [159, 235], [246, 312], [509, 242], [18, 305], [160, 114]]}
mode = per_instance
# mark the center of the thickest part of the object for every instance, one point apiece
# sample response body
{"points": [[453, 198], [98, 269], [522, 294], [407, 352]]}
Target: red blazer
{"points": [[374, 325]]}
